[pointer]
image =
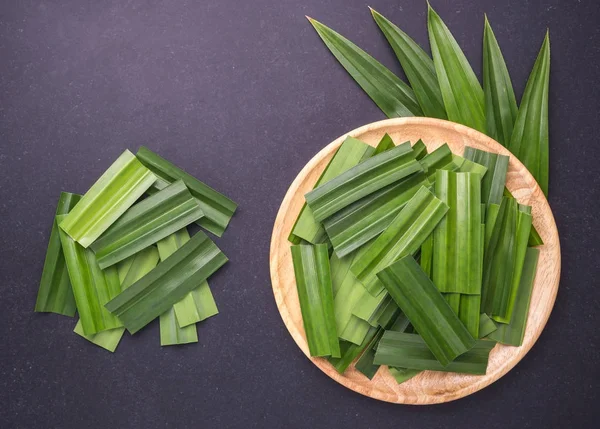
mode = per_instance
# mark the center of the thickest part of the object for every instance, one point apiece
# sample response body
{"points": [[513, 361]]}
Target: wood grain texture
{"points": [[428, 387]]}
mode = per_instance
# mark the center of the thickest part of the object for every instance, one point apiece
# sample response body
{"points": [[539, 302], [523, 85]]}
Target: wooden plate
{"points": [[428, 387]]}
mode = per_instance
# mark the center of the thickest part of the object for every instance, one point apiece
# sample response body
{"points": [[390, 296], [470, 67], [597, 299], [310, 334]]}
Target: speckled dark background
{"points": [[242, 94]]}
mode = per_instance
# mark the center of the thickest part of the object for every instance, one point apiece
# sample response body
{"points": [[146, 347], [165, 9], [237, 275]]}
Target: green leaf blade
{"points": [[114, 192], [529, 140], [392, 95], [108, 340], [315, 292], [427, 310], [147, 222], [461, 91], [500, 102], [217, 208], [55, 294], [417, 66]]}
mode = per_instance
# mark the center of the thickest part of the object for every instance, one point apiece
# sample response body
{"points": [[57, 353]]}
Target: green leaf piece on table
{"points": [[217, 208], [417, 66], [313, 281], [457, 251], [362, 180], [427, 310], [461, 91], [411, 351], [486, 325], [108, 340], [114, 192], [92, 287], [169, 282], [492, 184], [529, 140], [500, 103], [360, 222], [394, 97], [404, 236], [147, 222], [55, 294], [351, 152], [514, 332], [170, 332]]}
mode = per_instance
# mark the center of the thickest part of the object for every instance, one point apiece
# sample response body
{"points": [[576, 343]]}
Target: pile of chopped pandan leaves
{"points": [[446, 87], [121, 255], [414, 260]]}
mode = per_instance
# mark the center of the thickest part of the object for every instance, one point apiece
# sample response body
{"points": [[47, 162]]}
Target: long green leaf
{"points": [[457, 251], [367, 177], [169, 282], [529, 141], [500, 103], [113, 193], [147, 222], [392, 95], [461, 91], [417, 66], [427, 311], [217, 208], [360, 222], [108, 340], [404, 236], [92, 287], [351, 152], [411, 351], [55, 294], [492, 184], [499, 261], [513, 332], [313, 281]]}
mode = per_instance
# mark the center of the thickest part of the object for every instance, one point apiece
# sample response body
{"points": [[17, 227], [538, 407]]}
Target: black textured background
{"points": [[242, 94]]}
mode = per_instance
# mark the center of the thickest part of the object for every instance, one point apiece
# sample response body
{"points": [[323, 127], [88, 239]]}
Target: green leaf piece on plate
{"points": [[364, 179], [529, 140], [403, 236], [411, 351], [457, 251], [114, 192], [500, 103], [147, 222], [427, 310], [492, 184], [351, 152], [394, 97], [169, 282], [486, 325], [92, 287], [313, 281], [417, 66], [55, 294], [350, 351], [514, 332], [461, 91], [217, 208]]}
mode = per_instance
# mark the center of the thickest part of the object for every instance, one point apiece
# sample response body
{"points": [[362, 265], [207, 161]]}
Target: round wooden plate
{"points": [[429, 387]]}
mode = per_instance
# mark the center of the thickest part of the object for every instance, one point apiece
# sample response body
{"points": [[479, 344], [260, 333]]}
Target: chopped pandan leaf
{"points": [[169, 282], [411, 351], [114, 192], [404, 236], [367, 177], [55, 294], [217, 208], [351, 152], [147, 222], [394, 97], [313, 281], [427, 310]]}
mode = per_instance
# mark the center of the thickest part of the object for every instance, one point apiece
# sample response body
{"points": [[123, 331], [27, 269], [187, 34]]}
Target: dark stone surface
{"points": [[242, 94]]}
